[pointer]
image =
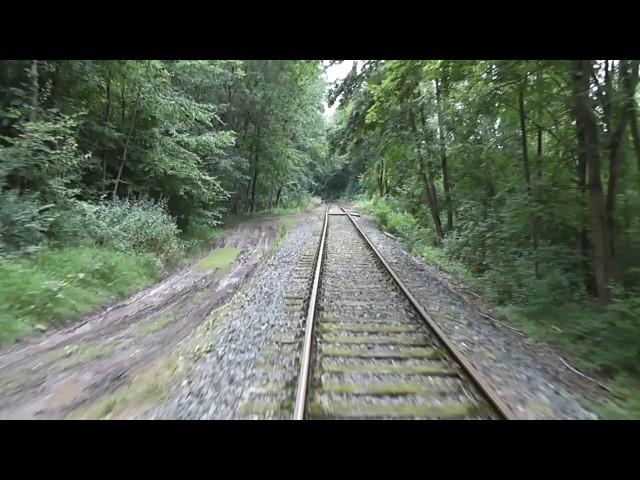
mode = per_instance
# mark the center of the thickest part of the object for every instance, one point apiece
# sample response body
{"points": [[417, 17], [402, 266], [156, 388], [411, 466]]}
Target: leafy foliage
{"points": [[521, 173], [132, 164]]}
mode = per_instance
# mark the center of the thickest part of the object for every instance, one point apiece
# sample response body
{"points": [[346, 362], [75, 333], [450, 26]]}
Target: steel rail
{"points": [[303, 377], [484, 388]]}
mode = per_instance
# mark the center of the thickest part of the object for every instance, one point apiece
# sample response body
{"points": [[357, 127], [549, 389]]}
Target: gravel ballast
{"points": [[529, 379], [250, 367], [253, 346]]}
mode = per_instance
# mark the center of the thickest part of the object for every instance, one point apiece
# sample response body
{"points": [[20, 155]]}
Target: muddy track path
{"points": [[53, 375]]}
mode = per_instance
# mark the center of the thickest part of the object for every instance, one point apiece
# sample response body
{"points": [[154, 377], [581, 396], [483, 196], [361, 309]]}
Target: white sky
{"points": [[333, 73]]}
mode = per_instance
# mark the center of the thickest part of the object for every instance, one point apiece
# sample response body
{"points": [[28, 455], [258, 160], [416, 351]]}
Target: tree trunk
{"points": [[539, 150], [126, 144], [255, 172], [443, 154], [123, 104], [588, 143], [278, 196], [615, 162], [584, 246], [630, 85], [432, 203], [616, 152], [429, 188], [381, 178], [253, 188], [246, 195], [633, 124], [527, 174], [107, 116], [271, 195], [35, 87], [539, 154], [607, 105]]}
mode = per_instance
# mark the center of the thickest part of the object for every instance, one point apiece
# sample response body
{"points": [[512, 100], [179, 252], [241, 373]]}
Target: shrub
{"points": [[142, 226], [79, 225], [23, 220]]}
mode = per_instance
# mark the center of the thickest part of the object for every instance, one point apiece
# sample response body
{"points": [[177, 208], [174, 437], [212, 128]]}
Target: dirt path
{"points": [[56, 374]]}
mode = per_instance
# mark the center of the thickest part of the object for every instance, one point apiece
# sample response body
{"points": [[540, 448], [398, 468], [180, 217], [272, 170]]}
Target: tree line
{"points": [[525, 170], [201, 137]]}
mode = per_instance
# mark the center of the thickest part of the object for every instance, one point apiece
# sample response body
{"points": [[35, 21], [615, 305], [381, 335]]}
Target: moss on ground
{"points": [[433, 370], [218, 258], [399, 353], [157, 324], [150, 385], [73, 355], [13, 379], [365, 328], [87, 353], [371, 340], [263, 407], [390, 389], [285, 224], [144, 390], [454, 411]]}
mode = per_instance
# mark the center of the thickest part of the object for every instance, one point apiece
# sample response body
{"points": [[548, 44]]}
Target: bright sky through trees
{"points": [[333, 73]]}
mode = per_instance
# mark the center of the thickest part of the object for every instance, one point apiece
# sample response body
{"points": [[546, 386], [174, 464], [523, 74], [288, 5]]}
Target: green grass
{"points": [[399, 353], [604, 344], [372, 340], [366, 328], [56, 285], [218, 258], [230, 220], [417, 239], [197, 239], [390, 389], [258, 407], [283, 227]]}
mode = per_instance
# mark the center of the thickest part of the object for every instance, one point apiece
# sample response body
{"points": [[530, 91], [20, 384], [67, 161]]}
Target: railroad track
{"points": [[370, 350]]}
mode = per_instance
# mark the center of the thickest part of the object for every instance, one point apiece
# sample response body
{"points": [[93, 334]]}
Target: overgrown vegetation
{"points": [[520, 177], [54, 285], [113, 173]]}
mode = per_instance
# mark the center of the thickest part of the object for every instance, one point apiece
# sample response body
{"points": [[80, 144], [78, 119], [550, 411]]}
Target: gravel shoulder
{"points": [[251, 360], [527, 375]]}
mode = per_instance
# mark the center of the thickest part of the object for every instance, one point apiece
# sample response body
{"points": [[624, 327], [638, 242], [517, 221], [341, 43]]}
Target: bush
{"points": [[196, 239], [80, 225], [23, 220], [142, 226], [135, 227]]}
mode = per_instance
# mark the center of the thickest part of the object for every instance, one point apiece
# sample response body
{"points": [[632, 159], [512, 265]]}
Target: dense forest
{"points": [[112, 172], [520, 177], [204, 136]]}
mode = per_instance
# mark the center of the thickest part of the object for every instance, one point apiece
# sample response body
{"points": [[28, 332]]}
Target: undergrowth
{"points": [[51, 284], [55, 285]]}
